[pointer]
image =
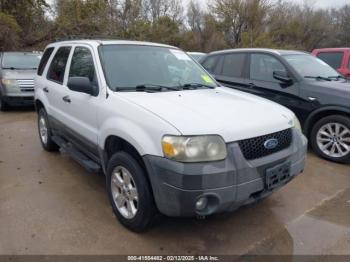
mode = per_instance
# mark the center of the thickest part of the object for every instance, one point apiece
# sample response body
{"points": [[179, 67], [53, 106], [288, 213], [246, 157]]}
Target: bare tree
{"points": [[195, 16], [154, 9]]}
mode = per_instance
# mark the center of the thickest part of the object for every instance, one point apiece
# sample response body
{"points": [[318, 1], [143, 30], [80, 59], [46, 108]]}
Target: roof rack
{"points": [[86, 37]]}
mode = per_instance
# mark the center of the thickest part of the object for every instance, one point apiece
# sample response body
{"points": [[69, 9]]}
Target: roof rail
{"points": [[85, 37]]}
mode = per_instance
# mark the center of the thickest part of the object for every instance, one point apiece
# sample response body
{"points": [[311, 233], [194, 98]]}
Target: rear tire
{"points": [[45, 132], [130, 193], [330, 138]]}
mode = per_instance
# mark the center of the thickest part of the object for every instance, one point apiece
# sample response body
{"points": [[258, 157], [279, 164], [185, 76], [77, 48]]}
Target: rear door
{"points": [[54, 85], [229, 69]]}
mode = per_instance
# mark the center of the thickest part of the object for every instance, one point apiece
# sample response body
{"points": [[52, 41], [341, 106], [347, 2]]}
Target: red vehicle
{"points": [[338, 58]]}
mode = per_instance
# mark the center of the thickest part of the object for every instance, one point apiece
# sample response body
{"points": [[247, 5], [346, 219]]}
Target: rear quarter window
{"points": [[44, 59], [210, 63], [334, 59]]}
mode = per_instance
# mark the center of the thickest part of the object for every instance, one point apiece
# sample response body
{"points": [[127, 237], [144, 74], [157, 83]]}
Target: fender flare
{"points": [[119, 127], [308, 121], [40, 96]]}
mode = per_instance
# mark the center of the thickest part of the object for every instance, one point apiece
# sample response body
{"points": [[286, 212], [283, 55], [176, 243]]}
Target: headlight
{"points": [[10, 83], [194, 148], [296, 123]]}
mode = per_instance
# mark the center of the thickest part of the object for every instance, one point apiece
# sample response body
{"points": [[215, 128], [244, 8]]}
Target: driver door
{"points": [[262, 83], [82, 107]]}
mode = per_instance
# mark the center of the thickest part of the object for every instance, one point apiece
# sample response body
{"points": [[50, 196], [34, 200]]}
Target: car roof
{"points": [[261, 50], [18, 53], [332, 49], [196, 53], [98, 42]]}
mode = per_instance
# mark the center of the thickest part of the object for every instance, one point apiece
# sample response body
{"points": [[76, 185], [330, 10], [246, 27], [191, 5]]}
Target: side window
{"points": [[209, 63], [58, 65], [83, 65], [233, 65], [44, 60], [262, 67], [334, 59]]}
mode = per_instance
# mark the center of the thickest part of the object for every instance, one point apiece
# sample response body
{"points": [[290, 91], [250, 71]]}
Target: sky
{"points": [[316, 3], [324, 3]]}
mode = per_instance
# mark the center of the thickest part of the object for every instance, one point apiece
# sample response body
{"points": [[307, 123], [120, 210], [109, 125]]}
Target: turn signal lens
{"points": [[168, 149]]}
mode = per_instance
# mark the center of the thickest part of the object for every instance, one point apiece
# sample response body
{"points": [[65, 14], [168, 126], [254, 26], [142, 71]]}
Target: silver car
{"points": [[17, 71], [198, 56]]}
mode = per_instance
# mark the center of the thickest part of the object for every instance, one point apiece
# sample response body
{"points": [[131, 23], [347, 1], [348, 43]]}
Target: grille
{"points": [[254, 148], [26, 85]]}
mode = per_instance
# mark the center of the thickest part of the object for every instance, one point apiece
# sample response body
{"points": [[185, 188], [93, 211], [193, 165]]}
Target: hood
{"points": [[338, 86], [18, 74], [328, 92], [232, 114]]}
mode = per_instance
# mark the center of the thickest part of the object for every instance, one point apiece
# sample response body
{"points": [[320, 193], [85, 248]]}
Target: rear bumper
{"points": [[227, 184]]}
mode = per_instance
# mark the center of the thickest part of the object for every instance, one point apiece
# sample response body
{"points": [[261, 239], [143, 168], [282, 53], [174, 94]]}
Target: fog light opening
{"points": [[201, 203]]}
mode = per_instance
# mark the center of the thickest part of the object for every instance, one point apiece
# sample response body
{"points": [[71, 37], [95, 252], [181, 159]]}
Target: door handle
{"points": [[66, 99], [312, 98], [251, 85], [46, 90]]}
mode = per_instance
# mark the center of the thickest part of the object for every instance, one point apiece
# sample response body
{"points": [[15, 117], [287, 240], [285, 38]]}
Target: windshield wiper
{"points": [[337, 77], [147, 88], [196, 85], [151, 87], [161, 88], [319, 78]]}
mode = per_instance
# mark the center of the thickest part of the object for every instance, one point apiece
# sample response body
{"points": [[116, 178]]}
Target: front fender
{"points": [[145, 142], [324, 109], [39, 95]]}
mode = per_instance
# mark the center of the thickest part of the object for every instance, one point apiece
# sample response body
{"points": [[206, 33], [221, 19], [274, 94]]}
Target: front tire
{"points": [[45, 132], [330, 138], [130, 192]]}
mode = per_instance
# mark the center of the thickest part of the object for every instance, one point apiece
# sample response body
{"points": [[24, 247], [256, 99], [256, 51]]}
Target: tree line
{"points": [[221, 24]]}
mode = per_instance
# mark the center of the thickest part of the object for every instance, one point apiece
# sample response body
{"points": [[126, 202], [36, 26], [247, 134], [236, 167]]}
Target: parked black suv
{"points": [[317, 94]]}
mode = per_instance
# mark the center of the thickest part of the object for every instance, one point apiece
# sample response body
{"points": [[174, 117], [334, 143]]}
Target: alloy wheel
{"points": [[124, 192], [333, 139], [43, 129]]}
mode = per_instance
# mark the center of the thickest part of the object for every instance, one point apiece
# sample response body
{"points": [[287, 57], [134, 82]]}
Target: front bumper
{"points": [[19, 99], [227, 184]]}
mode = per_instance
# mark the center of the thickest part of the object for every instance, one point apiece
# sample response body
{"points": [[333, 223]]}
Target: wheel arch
{"points": [[38, 105], [115, 144], [323, 112]]}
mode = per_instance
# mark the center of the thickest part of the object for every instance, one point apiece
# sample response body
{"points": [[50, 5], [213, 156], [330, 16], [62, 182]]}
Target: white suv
{"points": [[165, 134]]}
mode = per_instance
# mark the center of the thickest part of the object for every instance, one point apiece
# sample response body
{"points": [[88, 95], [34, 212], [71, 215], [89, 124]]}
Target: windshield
{"points": [[129, 66], [20, 61], [310, 66]]}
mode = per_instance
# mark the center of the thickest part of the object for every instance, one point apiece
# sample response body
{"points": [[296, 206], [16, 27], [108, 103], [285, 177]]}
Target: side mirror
{"points": [[282, 76], [81, 84]]}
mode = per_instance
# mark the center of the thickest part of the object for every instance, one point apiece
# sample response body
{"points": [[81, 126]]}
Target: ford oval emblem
{"points": [[271, 143]]}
